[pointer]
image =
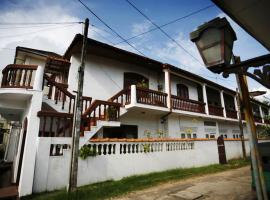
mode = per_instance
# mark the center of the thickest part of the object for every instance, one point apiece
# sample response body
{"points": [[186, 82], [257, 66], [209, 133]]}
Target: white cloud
{"points": [[139, 28]]}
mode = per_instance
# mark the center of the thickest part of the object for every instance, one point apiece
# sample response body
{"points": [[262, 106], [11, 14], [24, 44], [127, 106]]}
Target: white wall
{"points": [[234, 149], [192, 87], [105, 77], [52, 172]]}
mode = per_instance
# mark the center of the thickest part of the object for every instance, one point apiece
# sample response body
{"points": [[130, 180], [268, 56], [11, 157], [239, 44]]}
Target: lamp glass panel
{"points": [[228, 54], [212, 54], [208, 37]]}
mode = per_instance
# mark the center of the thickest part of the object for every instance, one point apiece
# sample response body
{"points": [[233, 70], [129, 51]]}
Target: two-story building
{"points": [[136, 110]]}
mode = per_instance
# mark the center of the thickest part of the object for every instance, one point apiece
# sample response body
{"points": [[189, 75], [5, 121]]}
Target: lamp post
{"points": [[214, 41]]}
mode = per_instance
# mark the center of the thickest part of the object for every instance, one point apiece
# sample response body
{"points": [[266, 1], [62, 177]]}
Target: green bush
{"points": [[87, 151]]}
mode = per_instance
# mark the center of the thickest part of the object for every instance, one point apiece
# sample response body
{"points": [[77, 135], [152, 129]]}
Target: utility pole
{"points": [[254, 150], [77, 116], [241, 124]]}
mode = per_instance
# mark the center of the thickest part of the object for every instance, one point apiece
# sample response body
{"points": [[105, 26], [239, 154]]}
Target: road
{"points": [[229, 185]]}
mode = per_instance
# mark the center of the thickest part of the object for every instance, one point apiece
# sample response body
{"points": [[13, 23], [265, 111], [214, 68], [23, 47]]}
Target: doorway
{"points": [[221, 150]]}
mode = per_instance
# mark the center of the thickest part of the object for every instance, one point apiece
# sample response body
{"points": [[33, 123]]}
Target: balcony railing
{"points": [[151, 97], [215, 110], [187, 104], [18, 76], [231, 113], [122, 97]]}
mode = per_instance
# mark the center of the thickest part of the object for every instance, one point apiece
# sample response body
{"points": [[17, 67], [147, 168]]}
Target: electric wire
{"points": [[103, 22], [37, 23]]}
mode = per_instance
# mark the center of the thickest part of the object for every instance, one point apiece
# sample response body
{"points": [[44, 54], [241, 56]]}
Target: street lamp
{"points": [[214, 41]]}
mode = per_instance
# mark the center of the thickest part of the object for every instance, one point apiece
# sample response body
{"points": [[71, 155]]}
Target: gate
{"points": [[221, 150]]}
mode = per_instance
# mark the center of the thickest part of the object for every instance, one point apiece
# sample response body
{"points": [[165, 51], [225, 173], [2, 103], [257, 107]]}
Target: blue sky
{"points": [[127, 21]]}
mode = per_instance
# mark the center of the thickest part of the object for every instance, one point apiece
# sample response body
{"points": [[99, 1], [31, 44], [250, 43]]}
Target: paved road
{"points": [[229, 185]]}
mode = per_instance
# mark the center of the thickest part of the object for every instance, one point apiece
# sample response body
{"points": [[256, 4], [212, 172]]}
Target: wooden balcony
{"points": [[215, 110], [18, 76], [151, 97], [179, 103], [231, 113]]}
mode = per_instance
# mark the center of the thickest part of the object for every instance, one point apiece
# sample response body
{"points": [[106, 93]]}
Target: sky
{"points": [[119, 15]]}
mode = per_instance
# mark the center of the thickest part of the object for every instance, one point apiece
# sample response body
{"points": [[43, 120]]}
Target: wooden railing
{"points": [[180, 103], [151, 97], [18, 76], [122, 97], [54, 124], [231, 113], [59, 93], [101, 110], [215, 110]]}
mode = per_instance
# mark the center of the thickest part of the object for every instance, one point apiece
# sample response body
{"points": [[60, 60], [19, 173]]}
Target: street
{"points": [[232, 184]]}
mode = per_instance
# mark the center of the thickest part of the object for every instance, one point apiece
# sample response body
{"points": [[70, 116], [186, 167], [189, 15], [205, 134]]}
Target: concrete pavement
{"points": [[229, 185]]}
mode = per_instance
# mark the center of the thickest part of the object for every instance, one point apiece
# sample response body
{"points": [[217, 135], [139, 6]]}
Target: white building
{"points": [[139, 115]]}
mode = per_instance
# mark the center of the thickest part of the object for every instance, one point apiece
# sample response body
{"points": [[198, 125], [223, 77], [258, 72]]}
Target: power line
{"points": [[103, 22], [22, 34], [164, 32], [37, 23], [168, 23]]}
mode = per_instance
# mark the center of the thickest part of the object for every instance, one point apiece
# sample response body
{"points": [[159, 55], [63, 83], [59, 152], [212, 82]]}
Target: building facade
{"points": [[135, 111]]}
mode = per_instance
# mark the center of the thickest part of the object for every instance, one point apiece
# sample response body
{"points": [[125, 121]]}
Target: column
{"points": [[133, 94], [261, 113], [38, 81], [168, 86], [222, 103], [205, 98], [237, 106]]}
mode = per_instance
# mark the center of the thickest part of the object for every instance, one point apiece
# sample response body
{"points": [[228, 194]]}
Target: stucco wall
{"points": [[104, 77]]}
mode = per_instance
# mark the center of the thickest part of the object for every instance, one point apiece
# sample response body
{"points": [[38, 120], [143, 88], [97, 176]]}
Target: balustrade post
{"points": [[261, 113], [38, 81], [133, 94], [222, 103], [168, 87], [205, 99]]}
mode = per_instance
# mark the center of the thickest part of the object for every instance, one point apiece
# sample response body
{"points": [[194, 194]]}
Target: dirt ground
{"points": [[232, 184]]}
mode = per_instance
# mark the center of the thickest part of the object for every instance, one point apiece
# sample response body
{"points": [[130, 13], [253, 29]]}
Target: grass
{"points": [[109, 189]]}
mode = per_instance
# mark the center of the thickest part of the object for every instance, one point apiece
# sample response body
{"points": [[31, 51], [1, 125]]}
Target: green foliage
{"points": [[161, 134], [111, 113], [146, 148], [265, 132], [142, 84], [109, 189], [147, 133], [87, 151]]}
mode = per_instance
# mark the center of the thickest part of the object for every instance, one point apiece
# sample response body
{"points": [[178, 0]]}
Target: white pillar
{"points": [[205, 99], [261, 113], [236, 106], [133, 93], [38, 78], [222, 103], [29, 156], [168, 86]]}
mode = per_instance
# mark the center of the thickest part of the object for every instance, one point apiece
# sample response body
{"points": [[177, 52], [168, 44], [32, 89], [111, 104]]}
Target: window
{"points": [[206, 135], [212, 136], [209, 123], [194, 135], [135, 79], [183, 135], [182, 91], [233, 136], [189, 135], [225, 136]]}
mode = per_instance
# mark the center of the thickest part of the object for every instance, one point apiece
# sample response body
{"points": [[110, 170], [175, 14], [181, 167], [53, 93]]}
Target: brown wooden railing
{"points": [[151, 97], [180, 103], [54, 124], [59, 93], [101, 110], [18, 76], [231, 113], [215, 110], [122, 97]]}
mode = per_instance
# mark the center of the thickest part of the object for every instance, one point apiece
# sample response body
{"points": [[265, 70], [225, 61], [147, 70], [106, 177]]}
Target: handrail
{"points": [[124, 95], [18, 76], [151, 97], [188, 100], [150, 90], [97, 103]]}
